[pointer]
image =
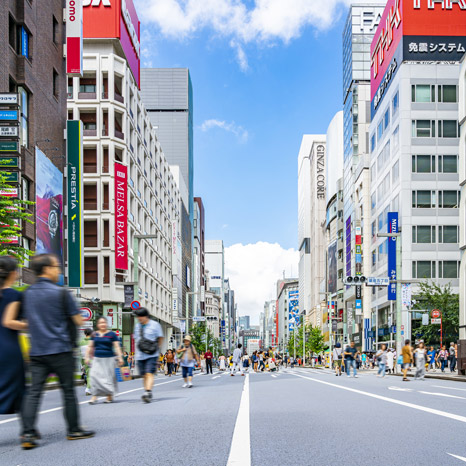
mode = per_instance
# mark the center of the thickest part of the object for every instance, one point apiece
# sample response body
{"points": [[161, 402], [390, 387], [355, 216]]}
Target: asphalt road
{"points": [[295, 417]]}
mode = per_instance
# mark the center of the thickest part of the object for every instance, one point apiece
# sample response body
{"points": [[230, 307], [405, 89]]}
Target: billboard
{"points": [[74, 37], [293, 310], [74, 157], [415, 30], [115, 19], [49, 207], [392, 226], [121, 216], [332, 268]]}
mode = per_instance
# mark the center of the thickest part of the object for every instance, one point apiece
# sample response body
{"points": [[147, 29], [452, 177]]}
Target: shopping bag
{"points": [[126, 373], [118, 374]]}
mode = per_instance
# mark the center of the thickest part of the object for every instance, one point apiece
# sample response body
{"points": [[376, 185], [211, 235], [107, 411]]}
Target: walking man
{"points": [[208, 361], [149, 338], [407, 353], [237, 354], [50, 312], [452, 351], [350, 359]]}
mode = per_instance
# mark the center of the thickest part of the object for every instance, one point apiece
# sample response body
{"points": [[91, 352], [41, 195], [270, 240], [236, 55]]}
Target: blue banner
{"points": [[11, 115], [392, 225], [24, 42]]}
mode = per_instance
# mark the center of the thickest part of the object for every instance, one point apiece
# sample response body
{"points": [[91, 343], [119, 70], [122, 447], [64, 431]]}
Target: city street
{"points": [[294, 417]]}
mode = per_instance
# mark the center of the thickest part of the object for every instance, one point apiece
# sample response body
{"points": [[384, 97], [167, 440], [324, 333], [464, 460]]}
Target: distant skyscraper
{"points": [[168, 96], [244, 322]]}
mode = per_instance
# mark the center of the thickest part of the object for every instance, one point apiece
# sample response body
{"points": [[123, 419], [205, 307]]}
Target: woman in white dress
{"points": [[390, 359], [222, 366]]}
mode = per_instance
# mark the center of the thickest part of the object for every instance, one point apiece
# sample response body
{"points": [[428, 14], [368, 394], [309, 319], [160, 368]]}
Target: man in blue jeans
{"points": [[147, 363], [350, 359]]}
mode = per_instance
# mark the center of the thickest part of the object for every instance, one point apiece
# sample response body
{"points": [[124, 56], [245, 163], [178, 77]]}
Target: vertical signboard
{"points": [[332, 268], [358, 268], [49, 207], [293, 309], [74, 154], [121, 216], [348, 247], [392, 225], [174, 248], [74, 37]]}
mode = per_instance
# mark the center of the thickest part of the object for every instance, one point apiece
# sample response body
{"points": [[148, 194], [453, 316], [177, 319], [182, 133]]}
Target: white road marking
{"points": [[87, 401], [461, 458], [443, 394], [399, 389], [216, 377], [273, 375], [437, 412], [240, 451], [450, 388]]}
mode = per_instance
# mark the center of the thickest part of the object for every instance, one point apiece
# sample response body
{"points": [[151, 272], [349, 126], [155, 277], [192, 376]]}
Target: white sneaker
{"points": [[355, 376], [185, 385], [190, 385]]}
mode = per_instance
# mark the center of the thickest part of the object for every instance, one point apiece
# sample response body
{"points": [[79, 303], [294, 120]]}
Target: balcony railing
{"points": [[119, 134], [90, 205], [87, 168], [119, 98], [90, 132], [87, 95]]}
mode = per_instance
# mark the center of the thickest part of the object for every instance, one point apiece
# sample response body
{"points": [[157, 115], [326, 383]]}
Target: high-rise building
{"points": [[361, 24], [244, 322], [311, 217], [168, 95], [414, 144], [124, 166], [32, 69]]}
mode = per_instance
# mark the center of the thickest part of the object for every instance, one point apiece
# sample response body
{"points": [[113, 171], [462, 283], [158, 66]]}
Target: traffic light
{"points": [[356, 280]]}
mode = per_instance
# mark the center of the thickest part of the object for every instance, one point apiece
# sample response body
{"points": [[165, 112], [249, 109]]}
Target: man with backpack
{"points": [[52, 317], [149, 337]]}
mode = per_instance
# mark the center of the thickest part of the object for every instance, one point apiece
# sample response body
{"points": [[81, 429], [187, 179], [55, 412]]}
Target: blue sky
{"points": [[264, 73]]}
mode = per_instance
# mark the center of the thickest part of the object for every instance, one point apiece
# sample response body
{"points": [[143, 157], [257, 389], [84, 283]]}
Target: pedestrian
{"points": [[442, 358], [52, 317], [254, 361], [208, 356], [188, 357], [245, 362], [131, 363], [337, 357], [125, 359], [364, 360], [203, 363], [237, 355], [350, 359], [170, 362], [452, 357], [84, 367], [222, 365], [149, 338], [431, 359], [102, 350], [12, 381], [407, 355], [382, 360], [390, 361], [420, 361], [261, 361]]}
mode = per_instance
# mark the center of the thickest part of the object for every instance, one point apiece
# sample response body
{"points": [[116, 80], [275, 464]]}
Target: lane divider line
{"points": [[240, 451], [437, 412]]}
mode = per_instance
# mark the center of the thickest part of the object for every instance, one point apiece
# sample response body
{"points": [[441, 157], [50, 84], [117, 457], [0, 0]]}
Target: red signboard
{"points": [[74, 37], [115, 19], [435, 314], [121, 216]]}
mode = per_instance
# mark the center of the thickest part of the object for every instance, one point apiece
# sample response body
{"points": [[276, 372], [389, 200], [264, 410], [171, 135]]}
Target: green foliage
{"points": [[198, 335], [314, 340], [433, 296], [12, 213]]}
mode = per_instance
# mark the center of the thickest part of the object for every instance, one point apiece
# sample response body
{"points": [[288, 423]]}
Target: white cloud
{"points": [[253, 270], [266, 21], [232, 127]]}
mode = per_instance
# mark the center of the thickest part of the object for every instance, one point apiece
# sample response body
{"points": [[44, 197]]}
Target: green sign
{"points": [[11, 177], [9, 162], [74, 152], [9, 146]]}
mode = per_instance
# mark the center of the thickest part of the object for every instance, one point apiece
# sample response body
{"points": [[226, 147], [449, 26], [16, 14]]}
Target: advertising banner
{"points": [[406, 296], [49, 207], [9, 115], [74, 37], [121, 216], [332, 268], [12, 162], [293, 310], [348, 247], [74, 154], [392, 226]]}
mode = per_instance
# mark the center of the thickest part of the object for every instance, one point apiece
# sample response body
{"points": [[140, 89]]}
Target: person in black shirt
{"points": [[350, 359]]}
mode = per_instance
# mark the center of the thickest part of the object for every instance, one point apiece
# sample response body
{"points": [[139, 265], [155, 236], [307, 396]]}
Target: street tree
{"points": [[316, 340], [198, 339], [433, 296]]}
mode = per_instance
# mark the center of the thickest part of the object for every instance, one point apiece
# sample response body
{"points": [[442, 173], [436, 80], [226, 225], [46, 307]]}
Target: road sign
{"points": [[436, 321], [86, 314], [402, 327], [135, 305], [198, 319], [377, 281], [435, 314]]}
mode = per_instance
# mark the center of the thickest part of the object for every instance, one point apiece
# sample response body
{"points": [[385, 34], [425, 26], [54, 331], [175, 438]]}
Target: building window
{"points": [[90, 197], [423, 234], [423, 163], [422, 93], [12, 33], [90, 233], [373, 142], [448, 234], [91, 271], [106, 235], [448, 164], [423, 199], [448, 269], [386, 119], [106, 269], [395, 172], [448, 93], [448, 199], [55, 30], [380, 130], [396, 138], [55, 84], [423, 128], [24, 109], [424, 269], [395, 104], [448, 129]]}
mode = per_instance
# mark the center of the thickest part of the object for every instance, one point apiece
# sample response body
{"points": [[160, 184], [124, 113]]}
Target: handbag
{"points": [[147, 346]]}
